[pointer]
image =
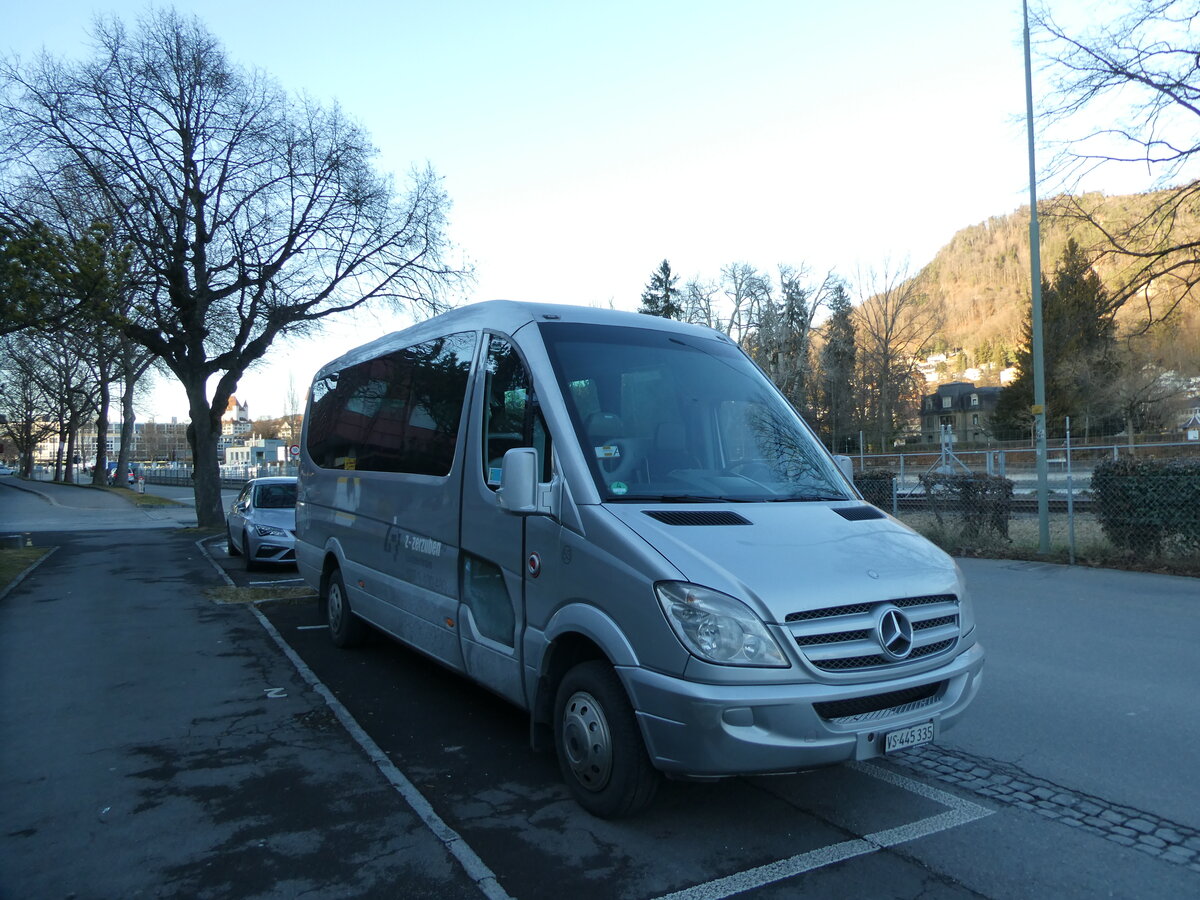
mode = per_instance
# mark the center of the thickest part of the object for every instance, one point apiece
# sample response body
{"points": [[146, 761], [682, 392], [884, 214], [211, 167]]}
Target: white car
{"points": [[261, 525], [5, 470]]}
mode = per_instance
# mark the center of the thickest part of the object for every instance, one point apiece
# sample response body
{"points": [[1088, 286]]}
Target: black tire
{"points": [[345, 628], [230, 546], [600, 750], [251, 565]]}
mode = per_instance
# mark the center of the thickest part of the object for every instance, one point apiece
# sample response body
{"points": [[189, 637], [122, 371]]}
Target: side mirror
{"points": [[520, 491]]}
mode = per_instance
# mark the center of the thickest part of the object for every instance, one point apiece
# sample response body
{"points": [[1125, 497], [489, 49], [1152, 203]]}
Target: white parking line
{"points": [[960, 812], [484, 878]]}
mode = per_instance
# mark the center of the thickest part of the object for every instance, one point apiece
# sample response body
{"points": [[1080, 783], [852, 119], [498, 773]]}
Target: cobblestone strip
{"points": [[1005, 783]]}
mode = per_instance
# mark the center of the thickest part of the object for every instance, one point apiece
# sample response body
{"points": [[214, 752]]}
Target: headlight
{"points": [[264, 530], [716, 627]]}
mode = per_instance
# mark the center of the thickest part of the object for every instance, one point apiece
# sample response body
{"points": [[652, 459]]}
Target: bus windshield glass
{"points": [[674, 417]]}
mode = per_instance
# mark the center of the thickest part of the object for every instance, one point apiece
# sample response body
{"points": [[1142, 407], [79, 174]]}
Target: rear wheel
{"points": [[345, 628], [600, 749]]}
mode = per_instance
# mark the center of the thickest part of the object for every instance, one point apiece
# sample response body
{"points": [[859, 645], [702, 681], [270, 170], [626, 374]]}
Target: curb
{"points": [[12, 585]]}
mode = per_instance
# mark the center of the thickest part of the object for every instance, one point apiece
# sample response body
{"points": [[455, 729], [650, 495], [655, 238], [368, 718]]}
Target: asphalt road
{"points": [[154, 743]]}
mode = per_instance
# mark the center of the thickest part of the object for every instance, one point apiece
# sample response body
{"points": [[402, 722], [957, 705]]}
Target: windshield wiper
{"points": [[805, 498], [678, 498]]}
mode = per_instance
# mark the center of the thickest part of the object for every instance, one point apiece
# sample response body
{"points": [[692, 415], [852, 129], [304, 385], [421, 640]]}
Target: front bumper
{"points": [[710, 730], [274, 548]]}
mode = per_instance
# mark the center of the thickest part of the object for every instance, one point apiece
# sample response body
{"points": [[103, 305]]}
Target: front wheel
{"points": [[230, 546], [600, 749], [346, 629], [248, 552]]}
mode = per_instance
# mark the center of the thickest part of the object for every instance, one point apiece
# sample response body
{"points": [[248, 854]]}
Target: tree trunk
{"points": [[72, 449], [128, 416], [100, 462], [206, 470]]}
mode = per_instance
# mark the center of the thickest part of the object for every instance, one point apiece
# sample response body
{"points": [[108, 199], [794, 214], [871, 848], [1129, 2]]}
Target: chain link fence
{"points": [[1107, 505]]}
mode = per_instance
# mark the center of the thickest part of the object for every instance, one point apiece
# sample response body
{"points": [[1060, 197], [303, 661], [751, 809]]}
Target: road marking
{"points": [[310, 627], [484, 878], [202, 546], [959, 812]]}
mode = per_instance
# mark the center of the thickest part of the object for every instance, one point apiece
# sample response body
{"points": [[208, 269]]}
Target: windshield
{"points": [[681, 418], [275, 496]]}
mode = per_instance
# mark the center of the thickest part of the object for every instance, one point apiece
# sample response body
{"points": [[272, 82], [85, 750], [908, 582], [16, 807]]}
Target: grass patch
{"points": [[15, 560], [1092, 547], [226, 594], [142, 500]]}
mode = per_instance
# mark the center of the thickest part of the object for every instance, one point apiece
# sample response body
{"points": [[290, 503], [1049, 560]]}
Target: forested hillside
{"points": [[981, 279]]}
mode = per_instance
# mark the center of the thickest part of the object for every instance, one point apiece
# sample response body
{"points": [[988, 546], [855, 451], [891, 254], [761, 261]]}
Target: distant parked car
{"points": [[5, 470], [261, 526]]}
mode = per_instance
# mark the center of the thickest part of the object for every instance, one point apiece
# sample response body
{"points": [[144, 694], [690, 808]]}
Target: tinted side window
{"points": [[511, 416], [395, 413]]}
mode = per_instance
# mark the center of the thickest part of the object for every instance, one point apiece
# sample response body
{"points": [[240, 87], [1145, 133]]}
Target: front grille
{"points": [[828, 612], [864, 706], [844, 639]]}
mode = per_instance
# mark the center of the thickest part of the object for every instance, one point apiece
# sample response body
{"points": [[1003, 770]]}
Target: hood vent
{"points": [[696, 517], [859, 513]]}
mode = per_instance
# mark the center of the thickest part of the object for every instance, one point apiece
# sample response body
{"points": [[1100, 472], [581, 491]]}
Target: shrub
{"points": [[1144, 505], [876, 486], [984, 502]]}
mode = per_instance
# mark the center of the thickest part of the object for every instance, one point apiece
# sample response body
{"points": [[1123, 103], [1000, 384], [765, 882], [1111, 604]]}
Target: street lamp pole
{"points": [[1036, 351]]}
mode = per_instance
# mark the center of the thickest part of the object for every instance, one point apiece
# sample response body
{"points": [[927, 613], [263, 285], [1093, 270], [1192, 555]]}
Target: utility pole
{"points": [[1035, 265]]}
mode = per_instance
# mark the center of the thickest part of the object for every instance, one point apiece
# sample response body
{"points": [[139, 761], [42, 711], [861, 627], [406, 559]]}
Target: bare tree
{"points": [[697, 303], [895, 320], [1127, 92], [781, 340], [252, 213], [745, 290], [28, 408], [1143, 390], [53, 362]]}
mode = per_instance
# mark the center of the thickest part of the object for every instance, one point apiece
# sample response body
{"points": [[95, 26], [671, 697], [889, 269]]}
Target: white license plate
{"points": [[913, 736]]}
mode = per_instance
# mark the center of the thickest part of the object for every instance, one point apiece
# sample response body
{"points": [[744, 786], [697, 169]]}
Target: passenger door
{"points": [[493, 561]]}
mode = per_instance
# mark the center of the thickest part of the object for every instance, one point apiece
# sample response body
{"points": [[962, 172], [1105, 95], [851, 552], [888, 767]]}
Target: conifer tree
{"points": [[1078, 339], [837, 369], [661, 297]]}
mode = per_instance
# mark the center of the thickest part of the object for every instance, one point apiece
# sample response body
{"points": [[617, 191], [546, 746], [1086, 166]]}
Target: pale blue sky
{"points": [[581, 144]]}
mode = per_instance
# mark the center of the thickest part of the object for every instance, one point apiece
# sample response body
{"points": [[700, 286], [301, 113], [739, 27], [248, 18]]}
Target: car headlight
{"points": [[716, 627], [265, 530]]}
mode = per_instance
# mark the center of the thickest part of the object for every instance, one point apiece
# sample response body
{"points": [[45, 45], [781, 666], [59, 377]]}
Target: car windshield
{"points": [[275, 496], [682, 418]]}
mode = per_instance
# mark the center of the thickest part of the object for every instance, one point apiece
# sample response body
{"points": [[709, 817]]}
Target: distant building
{"points": [[256, 452], [235, 425], [1190, 426], [962, 406], [163, 441]]}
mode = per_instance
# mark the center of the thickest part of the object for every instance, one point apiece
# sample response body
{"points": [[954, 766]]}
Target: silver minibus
{"points": [[617, 523]]}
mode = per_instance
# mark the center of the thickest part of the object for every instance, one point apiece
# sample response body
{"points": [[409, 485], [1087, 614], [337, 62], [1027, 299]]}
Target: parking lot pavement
{"points": [[49, 506], [846, 831], [154, 743]]}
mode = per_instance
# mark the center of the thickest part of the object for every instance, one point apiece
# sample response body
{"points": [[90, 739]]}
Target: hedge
{"points": [[1146, 505]]}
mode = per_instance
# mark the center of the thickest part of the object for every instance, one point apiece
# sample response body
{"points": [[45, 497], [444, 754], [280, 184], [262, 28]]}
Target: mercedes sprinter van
{"points": [[619, 524]]}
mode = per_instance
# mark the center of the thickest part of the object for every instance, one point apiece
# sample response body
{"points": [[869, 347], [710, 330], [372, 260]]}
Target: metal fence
{"points": [[231, 476], [996, 512]]}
